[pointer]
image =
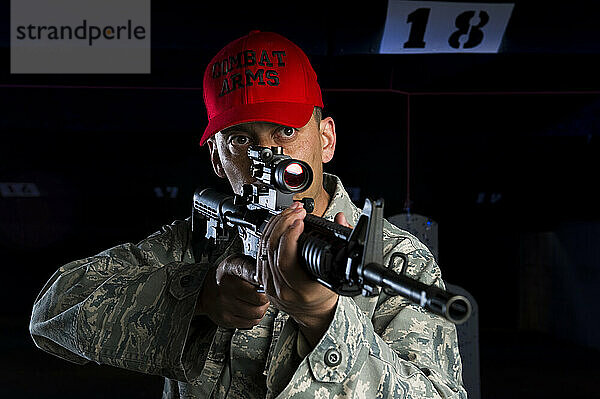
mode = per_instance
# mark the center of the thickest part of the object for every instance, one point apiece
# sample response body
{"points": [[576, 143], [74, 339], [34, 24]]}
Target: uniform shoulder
{"points": [[406, 240]]}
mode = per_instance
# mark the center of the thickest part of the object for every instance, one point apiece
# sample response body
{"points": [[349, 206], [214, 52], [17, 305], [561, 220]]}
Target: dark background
{"points": [[503, 155]]}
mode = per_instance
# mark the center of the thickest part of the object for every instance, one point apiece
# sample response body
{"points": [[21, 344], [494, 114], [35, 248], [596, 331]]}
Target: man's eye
{"points": [[240, 140], [286, 131]]}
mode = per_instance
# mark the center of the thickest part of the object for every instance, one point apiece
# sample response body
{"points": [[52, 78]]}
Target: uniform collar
{"points": [[339, 200]]}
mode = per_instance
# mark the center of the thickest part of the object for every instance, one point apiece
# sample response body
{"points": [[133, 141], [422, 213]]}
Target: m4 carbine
{"points": [[347, 261]]}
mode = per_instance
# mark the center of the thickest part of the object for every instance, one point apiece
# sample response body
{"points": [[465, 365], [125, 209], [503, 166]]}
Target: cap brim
{"points": [[288, 114]]}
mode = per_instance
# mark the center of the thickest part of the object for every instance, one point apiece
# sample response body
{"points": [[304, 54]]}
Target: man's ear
{"points": [[327, 130], [214, 158]]}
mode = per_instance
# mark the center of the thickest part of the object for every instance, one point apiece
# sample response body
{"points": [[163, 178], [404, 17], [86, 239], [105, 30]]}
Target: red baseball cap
{"points": [[260, 77]]}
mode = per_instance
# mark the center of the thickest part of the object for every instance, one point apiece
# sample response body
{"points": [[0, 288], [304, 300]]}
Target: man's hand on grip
{"points": [[228, 298]]}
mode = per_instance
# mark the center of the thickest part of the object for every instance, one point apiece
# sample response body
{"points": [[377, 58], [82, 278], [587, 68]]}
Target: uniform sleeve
{"points": [[130, 306], [385, 346]]}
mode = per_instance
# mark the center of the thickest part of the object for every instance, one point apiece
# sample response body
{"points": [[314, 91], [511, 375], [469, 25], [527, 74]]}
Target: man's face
{"points": [[311, 143]]}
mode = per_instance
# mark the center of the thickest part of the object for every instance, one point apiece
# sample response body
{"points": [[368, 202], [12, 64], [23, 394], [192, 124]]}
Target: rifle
{"points": [[347, 261]]}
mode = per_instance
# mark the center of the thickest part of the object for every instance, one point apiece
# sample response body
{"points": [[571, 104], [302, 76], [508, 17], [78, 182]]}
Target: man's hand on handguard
{"points": [[228, 298], [287, 284]]}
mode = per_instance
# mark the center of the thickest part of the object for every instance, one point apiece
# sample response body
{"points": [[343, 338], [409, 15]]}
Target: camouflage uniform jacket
{"points": [[132, 307]]}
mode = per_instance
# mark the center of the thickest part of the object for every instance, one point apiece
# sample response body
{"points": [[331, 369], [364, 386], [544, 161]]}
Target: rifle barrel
{"points": [[456, 308]]}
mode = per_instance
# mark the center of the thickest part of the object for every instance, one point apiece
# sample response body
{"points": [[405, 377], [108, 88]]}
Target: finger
{"points": [[288, 247], [266, 253], [249, 295], [275, 219], [284, 222], [234, 287], [237, 265], [245, 268], [273, 246], [340, 218], [246, 311]]}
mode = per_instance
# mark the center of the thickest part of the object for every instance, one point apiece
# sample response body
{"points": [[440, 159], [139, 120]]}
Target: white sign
{"points": [[443, 27]]}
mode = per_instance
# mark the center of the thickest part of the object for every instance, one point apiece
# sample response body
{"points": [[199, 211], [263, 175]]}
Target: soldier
{"points": [[152, 307]]}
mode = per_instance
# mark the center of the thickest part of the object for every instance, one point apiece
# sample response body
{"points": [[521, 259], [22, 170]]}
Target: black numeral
{"points": [[473, 32], [418, 20]]}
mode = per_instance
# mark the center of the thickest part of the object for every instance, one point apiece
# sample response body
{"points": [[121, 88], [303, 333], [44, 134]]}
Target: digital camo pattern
{"points": [[132, 307]]}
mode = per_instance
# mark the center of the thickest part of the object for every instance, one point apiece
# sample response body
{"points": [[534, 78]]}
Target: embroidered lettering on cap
{"points": [[221, 69], [264, 59], [258, 75], [246, 58], [235, 81]]}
